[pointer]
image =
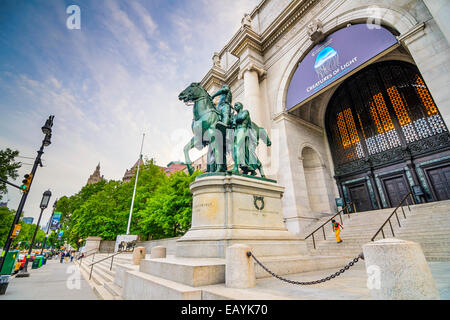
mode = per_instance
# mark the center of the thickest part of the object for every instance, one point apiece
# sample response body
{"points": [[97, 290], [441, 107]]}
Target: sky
{"points": [[107, 83]]}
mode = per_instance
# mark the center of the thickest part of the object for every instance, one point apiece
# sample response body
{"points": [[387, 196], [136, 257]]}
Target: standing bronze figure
{"points": [[219, 129]]}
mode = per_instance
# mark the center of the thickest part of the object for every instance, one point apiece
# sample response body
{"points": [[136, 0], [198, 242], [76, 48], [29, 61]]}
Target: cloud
{"points": [[116, 78]]}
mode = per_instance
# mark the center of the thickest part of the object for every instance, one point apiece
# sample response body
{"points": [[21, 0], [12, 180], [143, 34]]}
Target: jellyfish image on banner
{"points": [[327, 60]]}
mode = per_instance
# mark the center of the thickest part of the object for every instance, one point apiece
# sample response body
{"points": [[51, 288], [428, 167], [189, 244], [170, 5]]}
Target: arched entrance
{"points": [[387, 138]]}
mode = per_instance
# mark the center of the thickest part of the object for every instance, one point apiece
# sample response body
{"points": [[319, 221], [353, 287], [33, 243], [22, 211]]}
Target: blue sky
{"points": [[117, 77]]}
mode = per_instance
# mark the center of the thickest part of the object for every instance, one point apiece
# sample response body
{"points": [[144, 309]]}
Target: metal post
{"points": [[49, 223], [24, 272], [135, 184], [404, 212], [314, 242], [112, 259], [48, 124], [382, 232], [392, 230], [397, 218], [323, 230]]}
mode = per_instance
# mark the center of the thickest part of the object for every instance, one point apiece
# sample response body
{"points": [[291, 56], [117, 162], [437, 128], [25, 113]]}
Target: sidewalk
{"points": [[53, 281]]}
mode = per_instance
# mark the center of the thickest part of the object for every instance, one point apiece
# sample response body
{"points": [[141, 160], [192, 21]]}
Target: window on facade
{"points": [[380, 108]]}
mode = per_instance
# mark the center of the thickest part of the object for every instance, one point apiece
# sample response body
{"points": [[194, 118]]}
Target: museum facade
{"points": [[355, 98]]}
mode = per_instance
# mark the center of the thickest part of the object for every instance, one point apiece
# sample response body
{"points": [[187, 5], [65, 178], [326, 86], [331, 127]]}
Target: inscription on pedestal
{"points": [[204, 209]]}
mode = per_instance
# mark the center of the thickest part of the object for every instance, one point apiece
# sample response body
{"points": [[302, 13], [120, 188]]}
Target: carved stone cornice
{"points": [[284, 22], [245, 38], [289, 117], [413, 34], [215, 76]]}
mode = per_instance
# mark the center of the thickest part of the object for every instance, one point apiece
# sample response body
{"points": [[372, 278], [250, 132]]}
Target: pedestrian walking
{"points": [[61, 259], [337, 230], [71, 256]]}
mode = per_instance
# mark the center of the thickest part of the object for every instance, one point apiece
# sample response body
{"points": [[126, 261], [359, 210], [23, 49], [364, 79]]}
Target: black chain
{"points": [[307, 283]]}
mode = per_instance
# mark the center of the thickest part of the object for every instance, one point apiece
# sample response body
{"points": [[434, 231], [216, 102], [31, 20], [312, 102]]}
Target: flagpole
{"points": [[135, 184]]}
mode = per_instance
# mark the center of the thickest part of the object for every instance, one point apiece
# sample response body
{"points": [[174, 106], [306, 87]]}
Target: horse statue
{"points": [[207, 128]]}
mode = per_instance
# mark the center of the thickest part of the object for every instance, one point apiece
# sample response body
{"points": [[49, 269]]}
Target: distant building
{"points": [[175, 166], [95, 177], [129, 174], [200, 163]]}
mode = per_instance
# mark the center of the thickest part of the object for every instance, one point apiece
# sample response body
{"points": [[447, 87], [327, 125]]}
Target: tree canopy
{"points": [[8, 167], [26, 233]]}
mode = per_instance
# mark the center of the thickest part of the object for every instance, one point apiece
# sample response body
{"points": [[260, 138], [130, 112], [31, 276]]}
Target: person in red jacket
{"points": [[337, 230]]}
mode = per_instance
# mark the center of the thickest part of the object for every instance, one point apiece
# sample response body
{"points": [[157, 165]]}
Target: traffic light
{"points": [[26, 182]]}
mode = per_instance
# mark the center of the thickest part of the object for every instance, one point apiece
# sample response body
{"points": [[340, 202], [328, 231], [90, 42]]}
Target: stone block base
{"points": [[192, 272], [142, 286]]}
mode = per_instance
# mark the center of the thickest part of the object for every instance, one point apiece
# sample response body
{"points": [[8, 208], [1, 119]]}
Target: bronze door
{"points": [[440, 180], [396, 189], [360, 197]]}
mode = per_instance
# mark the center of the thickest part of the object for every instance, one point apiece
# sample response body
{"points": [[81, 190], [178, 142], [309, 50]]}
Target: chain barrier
{"points": [[307, 283]]}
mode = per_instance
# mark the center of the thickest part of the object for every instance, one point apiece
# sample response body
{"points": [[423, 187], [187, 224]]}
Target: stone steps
{"points": [[427, 224], [102, 279], [143, 286]]}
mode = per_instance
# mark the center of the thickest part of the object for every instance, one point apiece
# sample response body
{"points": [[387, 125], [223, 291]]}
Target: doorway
{"points": [[359, 195]]}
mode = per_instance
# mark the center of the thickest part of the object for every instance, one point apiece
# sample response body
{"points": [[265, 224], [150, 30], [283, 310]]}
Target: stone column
{"points": [[138, 255], [239, 268], [158, 252], [92, 244], [440, 10], [252, 95], [397, 270]]}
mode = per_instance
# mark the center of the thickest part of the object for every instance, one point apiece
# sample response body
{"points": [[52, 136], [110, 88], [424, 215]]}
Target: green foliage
{"points": [[26, 233], [162, 207], [6, 220], [8, 167]]}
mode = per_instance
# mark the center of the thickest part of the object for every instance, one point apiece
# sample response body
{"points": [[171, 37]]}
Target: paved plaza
{"points": [[351, 285], [53, 281]]}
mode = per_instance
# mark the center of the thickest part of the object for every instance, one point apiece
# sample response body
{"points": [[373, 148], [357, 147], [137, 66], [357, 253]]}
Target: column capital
{"points": [[252, 66]]}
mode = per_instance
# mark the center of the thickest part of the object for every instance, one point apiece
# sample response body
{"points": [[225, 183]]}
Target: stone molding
{"points": [[412, 34], [252, 66], [288, 117], [246, 38]]}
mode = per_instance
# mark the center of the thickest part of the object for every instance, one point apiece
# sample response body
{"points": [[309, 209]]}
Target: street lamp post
{"points": [[44, 203], [48, 228], [47, 130]]}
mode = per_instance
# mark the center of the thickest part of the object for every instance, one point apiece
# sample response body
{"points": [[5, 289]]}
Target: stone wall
{"points": [[107, 246]]}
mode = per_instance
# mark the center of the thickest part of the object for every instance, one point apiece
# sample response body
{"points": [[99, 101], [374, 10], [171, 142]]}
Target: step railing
{"points": [[88, 254], [388, 220], [344, 209]]}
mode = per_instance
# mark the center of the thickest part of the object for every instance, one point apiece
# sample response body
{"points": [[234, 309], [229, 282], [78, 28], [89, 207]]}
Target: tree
{"points": [[162, 207], [8, 167], [168, 212], [6, 220]]}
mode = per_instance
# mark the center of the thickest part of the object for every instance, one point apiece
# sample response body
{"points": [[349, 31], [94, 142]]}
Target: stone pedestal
{"points": [[138, 255], [229, 209], [158, 252], [397, 270], [239, 268], [92, 244]]}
